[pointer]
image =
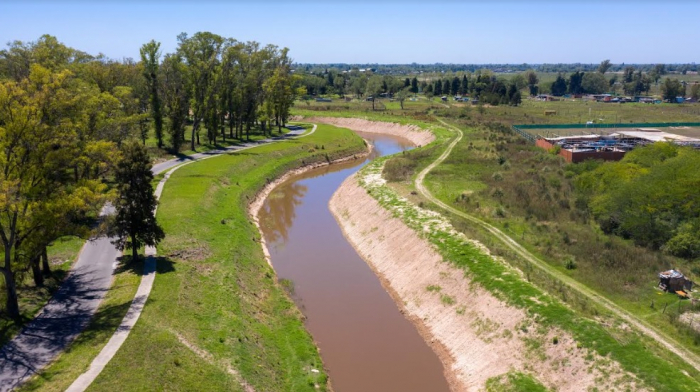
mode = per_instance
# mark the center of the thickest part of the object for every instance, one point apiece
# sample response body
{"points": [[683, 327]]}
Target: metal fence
{"points": [[521, 129]]}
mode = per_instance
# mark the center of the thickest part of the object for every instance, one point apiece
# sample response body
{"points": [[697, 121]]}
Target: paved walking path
{"points": [[70, 310]]}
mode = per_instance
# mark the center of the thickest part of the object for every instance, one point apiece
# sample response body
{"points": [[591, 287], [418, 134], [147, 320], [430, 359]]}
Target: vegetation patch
{"points": [[238, 313], [500, 279], [514, 382]]}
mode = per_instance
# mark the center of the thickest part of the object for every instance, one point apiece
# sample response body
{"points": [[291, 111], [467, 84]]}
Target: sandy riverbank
{"points": [[476, 335]]}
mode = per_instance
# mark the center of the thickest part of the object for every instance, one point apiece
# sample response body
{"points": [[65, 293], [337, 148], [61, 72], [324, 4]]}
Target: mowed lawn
{"points": [[216, 316]]}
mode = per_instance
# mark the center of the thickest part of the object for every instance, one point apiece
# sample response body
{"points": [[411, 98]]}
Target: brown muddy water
{"points": [[366, 343]]}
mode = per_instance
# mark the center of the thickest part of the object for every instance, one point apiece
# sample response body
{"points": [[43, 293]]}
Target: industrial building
{"points": [[611, 147]]}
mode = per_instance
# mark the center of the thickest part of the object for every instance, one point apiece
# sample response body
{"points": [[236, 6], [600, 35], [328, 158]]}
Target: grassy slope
{"points": [[214, 288], [636, 354], [616, 268]]}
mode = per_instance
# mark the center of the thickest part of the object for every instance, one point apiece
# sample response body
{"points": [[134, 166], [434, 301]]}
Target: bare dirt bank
{"points": [[413, 133], [476, 335]]}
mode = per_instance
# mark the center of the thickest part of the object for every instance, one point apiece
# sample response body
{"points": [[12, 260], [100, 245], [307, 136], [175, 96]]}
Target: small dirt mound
{"points": [[197, 253]]}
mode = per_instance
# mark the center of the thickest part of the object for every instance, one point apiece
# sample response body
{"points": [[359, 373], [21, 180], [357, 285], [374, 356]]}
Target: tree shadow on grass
{"points": [[164, 265]]}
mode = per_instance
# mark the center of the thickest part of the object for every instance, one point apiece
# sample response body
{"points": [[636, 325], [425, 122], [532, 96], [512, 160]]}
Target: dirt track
{"points": [[634, 321], [476, 335]]}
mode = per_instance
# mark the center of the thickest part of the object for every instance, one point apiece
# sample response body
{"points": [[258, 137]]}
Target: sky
{"points": [[379, 31]]}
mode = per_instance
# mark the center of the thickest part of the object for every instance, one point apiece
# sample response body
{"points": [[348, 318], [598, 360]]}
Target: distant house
{"points": [[546, 98], [444, 98]]}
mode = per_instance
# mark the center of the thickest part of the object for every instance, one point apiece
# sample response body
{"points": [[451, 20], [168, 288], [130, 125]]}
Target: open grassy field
{"points": [[570, 111], [216, 316]]}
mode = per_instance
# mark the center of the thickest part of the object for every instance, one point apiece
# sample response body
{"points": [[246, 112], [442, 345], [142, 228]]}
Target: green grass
{"points": [[636, 354], [214, 288], [77, 358], [537, 207], [62, 254], [514, 382]]}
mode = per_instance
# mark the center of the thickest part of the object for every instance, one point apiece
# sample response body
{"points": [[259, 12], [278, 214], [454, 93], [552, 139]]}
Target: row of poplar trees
{"points": [[65, 117]]}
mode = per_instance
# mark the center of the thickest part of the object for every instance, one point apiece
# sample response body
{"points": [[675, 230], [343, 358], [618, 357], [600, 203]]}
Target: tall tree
{"points": [[414, 85], [455, 85], [39, 119], [464, 87], [575, 82], [374, 87], [532, 81], [594, 83], [604, 66], [671, 89], [437, 89], [176, 98], [559, 86], [135, 222], [150, 57], [201, 53]]}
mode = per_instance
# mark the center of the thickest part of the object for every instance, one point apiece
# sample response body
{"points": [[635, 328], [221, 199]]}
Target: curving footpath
{"points": [[663, 339], [70, 310]]}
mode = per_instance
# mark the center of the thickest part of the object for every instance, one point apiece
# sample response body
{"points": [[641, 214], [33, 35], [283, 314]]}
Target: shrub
{"points": [[398, 169]]}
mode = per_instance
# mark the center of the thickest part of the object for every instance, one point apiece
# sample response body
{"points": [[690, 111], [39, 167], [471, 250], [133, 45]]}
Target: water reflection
{"points": [[278, 214]]}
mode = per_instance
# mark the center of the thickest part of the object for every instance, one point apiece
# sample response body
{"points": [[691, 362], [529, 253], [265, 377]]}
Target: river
{"points": [[365, 342]]}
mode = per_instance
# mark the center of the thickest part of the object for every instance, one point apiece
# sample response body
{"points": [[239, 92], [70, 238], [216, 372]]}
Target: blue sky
{"points": [[380, 31]]}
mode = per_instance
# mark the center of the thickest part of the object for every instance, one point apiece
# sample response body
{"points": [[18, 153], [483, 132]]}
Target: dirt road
{"points": [[663, 339]]}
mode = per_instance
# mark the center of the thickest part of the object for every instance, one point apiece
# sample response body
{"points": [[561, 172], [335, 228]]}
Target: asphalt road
{"points": [[72, 307]]}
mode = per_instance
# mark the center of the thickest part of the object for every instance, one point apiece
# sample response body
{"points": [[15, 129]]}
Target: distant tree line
{"points": [[66, 116], [484, 86], [409, 69]]}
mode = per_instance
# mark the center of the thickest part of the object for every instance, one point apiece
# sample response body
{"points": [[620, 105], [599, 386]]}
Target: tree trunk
{"points": [[11, 304], [134, 249], [195, 125], [36, 271], [45, 267]]}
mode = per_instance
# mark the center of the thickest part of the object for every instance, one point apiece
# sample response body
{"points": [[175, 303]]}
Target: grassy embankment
{"points": [[592, 328], [216, 315], [62, 254], [638, 355], [529, 195]]}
